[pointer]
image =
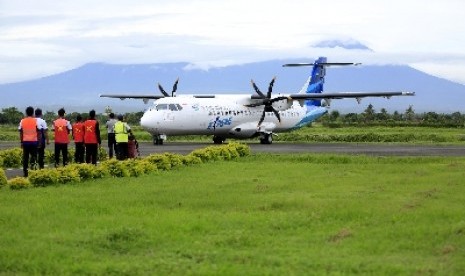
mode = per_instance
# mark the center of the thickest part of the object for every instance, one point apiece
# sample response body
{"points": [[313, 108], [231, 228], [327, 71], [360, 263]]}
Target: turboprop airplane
{"points": [[243, 116]]}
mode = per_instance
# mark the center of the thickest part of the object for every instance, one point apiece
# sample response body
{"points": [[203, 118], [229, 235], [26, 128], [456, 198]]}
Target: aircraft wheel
{"points": [[218, 140], [266, 139]]}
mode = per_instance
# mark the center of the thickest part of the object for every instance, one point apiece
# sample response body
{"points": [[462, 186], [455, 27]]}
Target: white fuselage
{"points": [[224, 116]]}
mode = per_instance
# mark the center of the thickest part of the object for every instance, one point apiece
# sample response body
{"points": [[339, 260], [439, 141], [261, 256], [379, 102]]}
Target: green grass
{"points": [[316, 133], [264, 214]]}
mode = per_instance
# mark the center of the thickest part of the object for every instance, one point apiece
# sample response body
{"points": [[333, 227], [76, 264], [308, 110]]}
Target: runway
{"points": [[147, 148]]}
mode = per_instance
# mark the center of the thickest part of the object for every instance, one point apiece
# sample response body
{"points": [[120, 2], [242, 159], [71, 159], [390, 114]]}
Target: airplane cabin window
{"points": [[173, 107], [179, 106]]}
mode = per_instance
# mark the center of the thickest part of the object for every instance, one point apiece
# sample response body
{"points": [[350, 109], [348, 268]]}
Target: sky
{"points": [[44, 37]]}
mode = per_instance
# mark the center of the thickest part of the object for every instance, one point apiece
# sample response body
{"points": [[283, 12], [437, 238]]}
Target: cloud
{"points": [[39, 38]]}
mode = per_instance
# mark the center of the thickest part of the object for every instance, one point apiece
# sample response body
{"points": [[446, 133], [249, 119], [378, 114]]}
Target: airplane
{"points": [[243, 116]]}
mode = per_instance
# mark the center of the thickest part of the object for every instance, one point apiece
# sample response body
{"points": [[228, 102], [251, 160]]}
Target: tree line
{"points": [[369, 117], [12, 116]]}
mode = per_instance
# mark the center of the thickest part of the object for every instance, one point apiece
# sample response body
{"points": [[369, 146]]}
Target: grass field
{"points": [[317, 133], [261, 215]]}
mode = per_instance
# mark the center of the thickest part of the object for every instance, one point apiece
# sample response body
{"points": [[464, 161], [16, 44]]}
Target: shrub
{"points": [[12, 158], [85, 171], [100, 172], [191, 159], [203, 154], [68, 174], [3, 179], [19, 183], [1, 162], [147, 166], [174, 159], [115, 168], [161, 161], [44, 177], [102, 154], [133, 167], [242, 149]]}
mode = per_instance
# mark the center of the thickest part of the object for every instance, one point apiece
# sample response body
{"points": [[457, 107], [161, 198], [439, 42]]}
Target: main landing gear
{"points": [[266, 138], [218, 140], [158, 139]]}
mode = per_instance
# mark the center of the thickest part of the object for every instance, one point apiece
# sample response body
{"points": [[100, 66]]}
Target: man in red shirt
{"points": [[78, 136], [92, 138], [62, 129]]}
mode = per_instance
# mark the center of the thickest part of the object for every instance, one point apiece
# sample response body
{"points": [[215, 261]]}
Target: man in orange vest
{"points": [[62, 128], [78, 136], [29, 136], [92, 138]]}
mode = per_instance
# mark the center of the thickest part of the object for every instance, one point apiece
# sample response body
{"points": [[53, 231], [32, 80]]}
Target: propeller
{"points": [[266, 101], [173, 92]]}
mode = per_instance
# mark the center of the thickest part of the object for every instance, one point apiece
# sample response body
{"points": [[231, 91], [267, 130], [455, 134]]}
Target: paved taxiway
{"points": [[147, 148]]}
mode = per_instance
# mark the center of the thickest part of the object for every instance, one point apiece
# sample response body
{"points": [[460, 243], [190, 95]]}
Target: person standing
{"points": [[92, 138], [62, 129], [29, 137], [121, 136], [43, 129], [78, 137], [110, 125]]}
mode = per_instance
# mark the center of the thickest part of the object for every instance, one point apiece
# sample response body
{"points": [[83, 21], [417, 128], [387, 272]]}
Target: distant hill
{"points": [[79, 89]]}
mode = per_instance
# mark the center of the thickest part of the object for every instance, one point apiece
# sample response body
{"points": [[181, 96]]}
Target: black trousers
{"points": [[91, 153], [122, 152], [63, 149], [79, 150], [41, 156], [111, 145], [29, 150]]}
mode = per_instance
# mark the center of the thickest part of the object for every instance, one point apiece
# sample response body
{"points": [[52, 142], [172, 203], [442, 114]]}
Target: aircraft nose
{"points": [[146, 121]]}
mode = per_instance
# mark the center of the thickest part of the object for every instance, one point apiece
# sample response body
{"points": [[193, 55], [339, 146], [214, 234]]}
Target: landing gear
{"points": [[266, 139], [158, 139], [218, 140]]}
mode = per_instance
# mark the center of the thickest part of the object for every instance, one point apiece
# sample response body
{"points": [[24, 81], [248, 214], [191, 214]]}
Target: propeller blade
{"points": [[163, 90], [257, 89], [261, 118], [175, 87], [277, 114], [270, 87]]}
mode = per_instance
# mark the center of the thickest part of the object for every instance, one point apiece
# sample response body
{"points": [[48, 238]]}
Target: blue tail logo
{"points": [[317, 79]]}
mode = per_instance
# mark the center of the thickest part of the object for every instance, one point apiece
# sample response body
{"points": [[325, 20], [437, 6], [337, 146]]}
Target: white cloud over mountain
{"points": [[43, 37]]}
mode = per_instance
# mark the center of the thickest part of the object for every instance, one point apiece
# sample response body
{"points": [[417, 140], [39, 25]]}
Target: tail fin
{"points": [[315, 82]]}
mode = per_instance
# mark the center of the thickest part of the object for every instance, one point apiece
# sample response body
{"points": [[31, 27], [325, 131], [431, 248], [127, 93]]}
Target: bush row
{"points": [[12, 158], [75, 173]]}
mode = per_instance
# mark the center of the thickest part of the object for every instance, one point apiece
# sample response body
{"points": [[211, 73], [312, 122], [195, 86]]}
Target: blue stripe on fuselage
{"points": [[313, 113]]}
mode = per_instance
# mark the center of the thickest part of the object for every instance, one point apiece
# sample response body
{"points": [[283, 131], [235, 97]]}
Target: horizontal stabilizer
{"points": [[321, 64]]}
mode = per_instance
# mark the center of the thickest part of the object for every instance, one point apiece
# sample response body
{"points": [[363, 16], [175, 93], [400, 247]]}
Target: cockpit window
{"points": [[162, 107], [171, 107]]}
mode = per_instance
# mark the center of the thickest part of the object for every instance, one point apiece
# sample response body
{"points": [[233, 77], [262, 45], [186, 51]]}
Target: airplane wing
{"points": [[342, 95], [128, 96]]}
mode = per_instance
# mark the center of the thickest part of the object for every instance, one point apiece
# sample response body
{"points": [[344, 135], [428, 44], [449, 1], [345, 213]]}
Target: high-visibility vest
{"points": [[78, 132], [121, 134], [29, 128], [90, 136], [61, 131]]}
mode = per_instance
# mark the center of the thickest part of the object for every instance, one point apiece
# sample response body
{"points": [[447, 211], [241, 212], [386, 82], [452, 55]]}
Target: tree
{"points": [[369, 113], [11, 115], [410, 113]]}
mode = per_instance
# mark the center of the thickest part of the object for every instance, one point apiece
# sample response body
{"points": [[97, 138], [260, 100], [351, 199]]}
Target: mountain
{"points": [[79, 89]]}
